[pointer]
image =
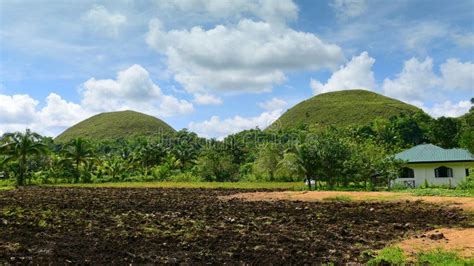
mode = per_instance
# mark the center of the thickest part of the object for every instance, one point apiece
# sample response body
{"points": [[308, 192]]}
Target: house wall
{"points": [[426, 171]]}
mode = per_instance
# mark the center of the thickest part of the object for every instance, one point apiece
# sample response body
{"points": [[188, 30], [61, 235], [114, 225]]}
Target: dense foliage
{"points": [[357, 156]]}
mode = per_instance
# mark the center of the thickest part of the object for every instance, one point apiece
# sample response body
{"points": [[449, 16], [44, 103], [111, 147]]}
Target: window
{"points": [[443, 171], [407, 173]]}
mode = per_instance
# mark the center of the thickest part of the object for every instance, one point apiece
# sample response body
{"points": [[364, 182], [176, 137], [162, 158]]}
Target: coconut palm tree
{"points": [[79, 152], [20, 147]]}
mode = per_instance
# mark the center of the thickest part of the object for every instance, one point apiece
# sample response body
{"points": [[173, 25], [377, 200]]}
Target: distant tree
{"points": [[267, 160], [467, 140], [408, 130], [324, 157], [215, 165], [80, 152], [20, 147], [290, 167], [445, 132]]}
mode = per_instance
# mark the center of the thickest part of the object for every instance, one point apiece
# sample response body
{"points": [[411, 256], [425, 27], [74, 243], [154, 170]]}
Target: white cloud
{"points": [[356, 74], [349, 8], [18, 112], [17, 109], [414, 82], [133, 89], [59, 113], [464, 40], [267, 10], [217, 128], [447, 108], [206, 99], [457, 75], [418, 36], [418, 82], [273, 104], [249, 57], [101, 20]]}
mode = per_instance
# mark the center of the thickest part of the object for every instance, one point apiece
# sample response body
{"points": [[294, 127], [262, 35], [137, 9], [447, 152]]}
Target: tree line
{"points": [[360, 156]]}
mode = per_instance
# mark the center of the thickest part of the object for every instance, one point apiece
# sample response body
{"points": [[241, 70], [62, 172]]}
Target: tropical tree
{"points": [[267, 161], [20, 147], [290, 167], [79, 152], [445, 132]]}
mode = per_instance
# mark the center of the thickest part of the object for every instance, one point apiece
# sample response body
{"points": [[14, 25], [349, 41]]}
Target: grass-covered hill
{"points": [[116, 125], [342, 108]]}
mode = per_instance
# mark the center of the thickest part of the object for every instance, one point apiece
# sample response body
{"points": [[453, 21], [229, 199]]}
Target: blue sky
{"points": [[218, 67]]}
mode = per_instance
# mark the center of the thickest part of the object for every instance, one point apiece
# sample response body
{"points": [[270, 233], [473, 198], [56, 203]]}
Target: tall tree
{"points": [[445, 132], [79, 151], [20, 147], [267, 161]]}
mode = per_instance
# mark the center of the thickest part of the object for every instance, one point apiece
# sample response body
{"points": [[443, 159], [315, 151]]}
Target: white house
{"points": [[434, 164]]}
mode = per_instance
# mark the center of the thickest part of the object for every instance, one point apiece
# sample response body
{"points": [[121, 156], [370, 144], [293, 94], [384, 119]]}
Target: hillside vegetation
{"points": [[342, 108], [116, 125]]}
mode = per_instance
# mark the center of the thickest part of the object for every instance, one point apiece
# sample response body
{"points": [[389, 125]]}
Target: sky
{"points": [[217, 67]]}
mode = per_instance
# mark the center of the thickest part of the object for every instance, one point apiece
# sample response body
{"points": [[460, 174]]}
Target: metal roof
{"points": [[433, 153]]}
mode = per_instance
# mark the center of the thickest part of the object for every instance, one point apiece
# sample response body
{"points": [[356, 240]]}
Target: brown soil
{"points": [[460, 240], [191, 226], [462, 202]]}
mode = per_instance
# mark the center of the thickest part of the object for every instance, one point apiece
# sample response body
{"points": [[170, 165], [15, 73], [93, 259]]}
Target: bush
{"points": [[468, 183]]}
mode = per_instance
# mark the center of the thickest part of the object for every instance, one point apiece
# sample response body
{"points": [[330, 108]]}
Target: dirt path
{"points": [[467, 204]]}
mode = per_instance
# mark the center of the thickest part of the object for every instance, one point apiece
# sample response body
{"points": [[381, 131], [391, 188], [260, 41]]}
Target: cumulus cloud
{"points": [[414, 82], [417, 80], [217, 128], [349, 8], [267, 10], [206, 99], [132, 89], [273, 104], [457, 75], [17, 109], [18, 112], [447, 108], [101, 20], [248, 57], [356, 74]]}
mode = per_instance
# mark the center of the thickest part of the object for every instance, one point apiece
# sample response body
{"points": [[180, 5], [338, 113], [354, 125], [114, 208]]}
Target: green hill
{"points": [[342, 108], [115, 125]]}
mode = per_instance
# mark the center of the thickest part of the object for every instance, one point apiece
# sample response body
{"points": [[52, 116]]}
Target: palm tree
{"points": [[19, 147], [79, 152]]}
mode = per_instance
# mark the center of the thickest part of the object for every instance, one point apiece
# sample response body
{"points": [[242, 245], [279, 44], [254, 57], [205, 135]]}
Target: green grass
{"points": [[116, 125], [226, 185], [389, 255], [338, 198], [396, 256], [445, 192], [441, 257], [342, 108]]}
